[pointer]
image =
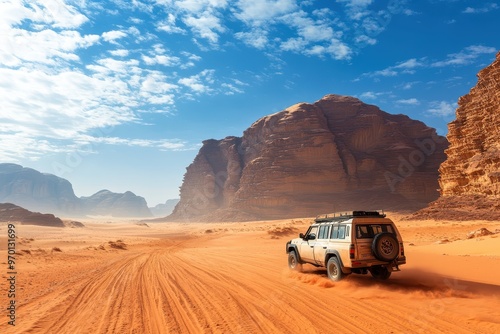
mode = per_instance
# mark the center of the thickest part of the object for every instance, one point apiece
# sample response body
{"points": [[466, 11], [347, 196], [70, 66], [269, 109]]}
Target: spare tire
{"points": [[385, 247]]}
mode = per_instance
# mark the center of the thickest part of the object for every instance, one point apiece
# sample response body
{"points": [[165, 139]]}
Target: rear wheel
{"points": [[380, 272], [334, 270], [293, 262]]}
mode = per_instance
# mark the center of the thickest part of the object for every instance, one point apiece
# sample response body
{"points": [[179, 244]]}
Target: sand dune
{"points": [[118, 277]]}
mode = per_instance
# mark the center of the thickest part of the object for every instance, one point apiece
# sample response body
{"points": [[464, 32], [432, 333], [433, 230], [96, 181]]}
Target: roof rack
{"points": [[340, 216]]}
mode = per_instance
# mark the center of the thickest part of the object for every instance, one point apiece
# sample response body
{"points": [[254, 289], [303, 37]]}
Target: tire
{"points": [[380, 272], [334, 269], [293, 261], [385, 247]]}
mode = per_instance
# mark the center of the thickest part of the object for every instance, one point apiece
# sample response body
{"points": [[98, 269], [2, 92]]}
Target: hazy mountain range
{"points": [[48, 193]]}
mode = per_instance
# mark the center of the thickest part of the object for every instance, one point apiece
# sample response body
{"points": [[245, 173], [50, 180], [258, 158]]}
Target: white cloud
{"points": [[112, 36], [488, 7], [202, 17], [356, 9], [412, 101], [256, 38], [356, 3], [442, 108], [170, 26], [161, 59], [199, 83], [258, 12], [56, 13], [370, 95], [47, 46], [206, 25], [119, 53], [293, 44], [164, 144], [465, 56], [157, 82], [307, 28], [364, 39], [409, 64], [200, 5]]}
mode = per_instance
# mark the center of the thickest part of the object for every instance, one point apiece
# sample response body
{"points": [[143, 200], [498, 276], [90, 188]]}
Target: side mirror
{"points": [[301, 235], [311, 236]]}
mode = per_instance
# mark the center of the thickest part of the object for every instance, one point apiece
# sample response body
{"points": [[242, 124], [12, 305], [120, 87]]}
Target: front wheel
{"points": [[334, 270], [380, 272], [293, 262]]}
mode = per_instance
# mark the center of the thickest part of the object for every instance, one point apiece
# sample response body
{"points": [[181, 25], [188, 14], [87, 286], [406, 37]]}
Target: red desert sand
{"points": [[123, 277]]}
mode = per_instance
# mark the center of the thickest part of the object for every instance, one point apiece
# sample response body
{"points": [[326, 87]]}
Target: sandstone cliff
{"points": [[470, 176], [473, 158], [335, 154]]}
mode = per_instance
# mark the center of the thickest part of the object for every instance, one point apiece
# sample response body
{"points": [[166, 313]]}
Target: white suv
{"points": [[354, 242]]}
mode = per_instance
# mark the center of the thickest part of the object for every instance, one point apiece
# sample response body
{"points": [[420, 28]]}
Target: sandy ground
{"points": [[120, 277]]}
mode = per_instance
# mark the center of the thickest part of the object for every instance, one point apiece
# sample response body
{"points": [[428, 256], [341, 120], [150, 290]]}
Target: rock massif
{"points": [[335, 154], [37, 191], [42, 192], [109, 203], [470, 176], [13, 213]]}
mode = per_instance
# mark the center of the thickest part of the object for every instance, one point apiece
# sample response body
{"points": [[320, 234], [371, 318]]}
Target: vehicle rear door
{"points": [[364, 234]]}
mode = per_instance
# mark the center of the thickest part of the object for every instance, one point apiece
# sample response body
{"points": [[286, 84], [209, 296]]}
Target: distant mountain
{"points": [[106, 202], [13, 213], [36, 191], [162, 210], [335, 154], [42, 192]]}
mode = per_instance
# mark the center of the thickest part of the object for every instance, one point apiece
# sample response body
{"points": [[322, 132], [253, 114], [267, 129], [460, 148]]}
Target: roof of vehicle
{"points": [[340, 217]]}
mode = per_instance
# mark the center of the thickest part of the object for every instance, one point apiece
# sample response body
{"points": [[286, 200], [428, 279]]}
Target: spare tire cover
{"points": [[385, 247]]}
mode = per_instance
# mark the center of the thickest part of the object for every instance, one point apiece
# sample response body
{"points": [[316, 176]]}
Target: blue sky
{"points": [[120, 94]]}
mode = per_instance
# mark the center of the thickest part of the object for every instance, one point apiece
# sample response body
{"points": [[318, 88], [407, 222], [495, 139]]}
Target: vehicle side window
{"points": [[335, 230], [323, 232], [313, 230], [347, 231], [341, 234]]}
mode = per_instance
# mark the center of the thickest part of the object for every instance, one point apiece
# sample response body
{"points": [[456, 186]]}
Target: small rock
{"points": [[479, 233]]}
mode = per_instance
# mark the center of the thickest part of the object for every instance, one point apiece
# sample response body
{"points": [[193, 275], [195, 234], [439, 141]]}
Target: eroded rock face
{"points": [[472, 166], [336, 154]]}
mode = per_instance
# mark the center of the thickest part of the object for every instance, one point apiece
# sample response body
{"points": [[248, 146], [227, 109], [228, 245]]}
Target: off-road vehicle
{"points": [[355, 242]]}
